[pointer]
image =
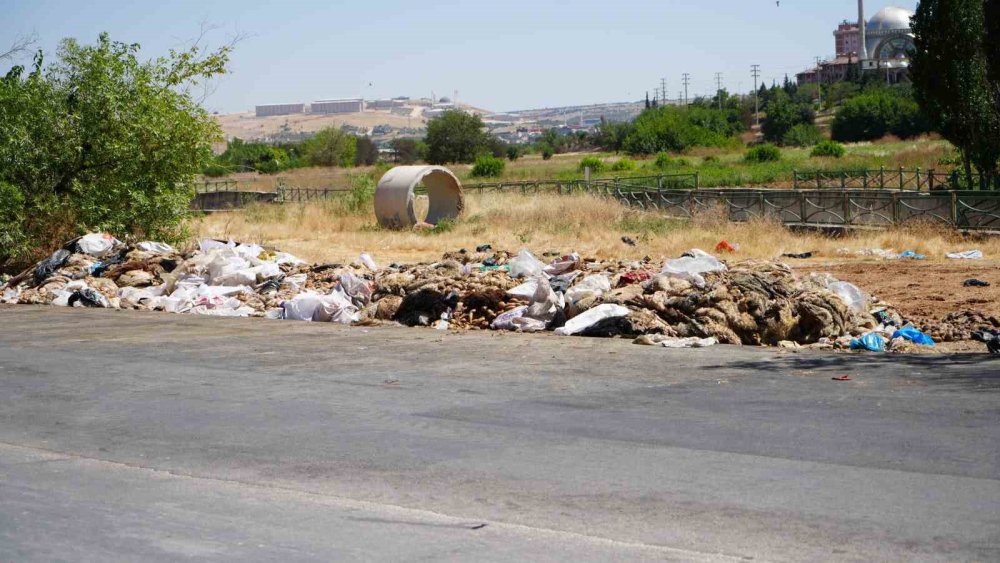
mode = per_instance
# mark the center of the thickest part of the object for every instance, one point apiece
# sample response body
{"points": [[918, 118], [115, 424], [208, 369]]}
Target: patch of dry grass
{"points": [[330, 232]]}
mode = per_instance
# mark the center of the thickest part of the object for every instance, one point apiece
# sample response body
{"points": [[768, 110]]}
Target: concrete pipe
{"points": [[394, 196]]}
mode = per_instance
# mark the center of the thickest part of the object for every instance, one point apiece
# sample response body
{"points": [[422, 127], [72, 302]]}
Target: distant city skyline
{"points": [[514, 56]]}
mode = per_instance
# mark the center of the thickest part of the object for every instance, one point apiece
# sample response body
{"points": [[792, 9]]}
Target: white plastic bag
{"points": [[591, 317], [850, 294], [368, 262], [157, 247], [525, 265], [590, 286], [355, 287], [691, 268], [336, 308], [562, 265], [967, 255], [505, 321], [525, 290], [97, 245]]}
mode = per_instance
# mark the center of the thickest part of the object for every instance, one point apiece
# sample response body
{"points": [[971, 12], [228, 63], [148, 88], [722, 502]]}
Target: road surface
{"points": [[143, 436]]}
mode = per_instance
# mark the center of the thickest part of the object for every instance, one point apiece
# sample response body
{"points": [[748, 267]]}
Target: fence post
{"points": [[697, 180], [895, 209], [864, 179], [881, 181], [918, 178], [843, 180], [795, 180], [819, 180], [954, 209], [847, 209], [902, 186], [930, 180]]}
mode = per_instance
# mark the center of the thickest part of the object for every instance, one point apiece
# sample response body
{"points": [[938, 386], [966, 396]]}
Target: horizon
{"points": [[584, 54]]}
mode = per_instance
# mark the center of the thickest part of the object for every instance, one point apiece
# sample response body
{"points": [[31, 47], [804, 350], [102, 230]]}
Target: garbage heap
{"points": [[695, 298]]}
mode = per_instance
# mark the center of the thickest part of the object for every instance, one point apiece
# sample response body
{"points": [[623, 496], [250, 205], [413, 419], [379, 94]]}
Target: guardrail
{"points": [[885, 179]]}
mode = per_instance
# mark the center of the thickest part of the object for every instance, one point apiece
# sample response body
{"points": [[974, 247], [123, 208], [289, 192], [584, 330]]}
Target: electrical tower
{"points": [[663, 91], [718, 88], [755, 70], [687, 80]]}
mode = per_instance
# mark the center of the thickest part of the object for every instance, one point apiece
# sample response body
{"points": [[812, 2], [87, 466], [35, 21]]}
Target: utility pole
{"points": [[687, 80], [663, 91], [656, 96], [819, 61], [718, 88], [755, 71]]}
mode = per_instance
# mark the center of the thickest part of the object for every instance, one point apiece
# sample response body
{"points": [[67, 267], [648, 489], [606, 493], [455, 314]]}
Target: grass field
{"points": [[716, 168]]}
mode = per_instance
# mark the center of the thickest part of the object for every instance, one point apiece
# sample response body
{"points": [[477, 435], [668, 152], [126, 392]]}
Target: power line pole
{"points": [[663, 91], [656, 96], [755, 70], [718, 88], [687, 80], [819, 61]]}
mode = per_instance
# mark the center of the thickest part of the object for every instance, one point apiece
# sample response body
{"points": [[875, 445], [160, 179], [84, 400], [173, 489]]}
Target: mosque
{"points": [[886, 41]]}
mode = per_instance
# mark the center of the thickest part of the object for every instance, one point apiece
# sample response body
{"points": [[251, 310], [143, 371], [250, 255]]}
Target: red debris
{"points": [[842, 378], [633, 277], [724, 246]]}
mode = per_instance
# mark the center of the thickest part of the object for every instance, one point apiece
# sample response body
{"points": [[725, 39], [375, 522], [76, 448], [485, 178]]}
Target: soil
{"points": [[923, 292]]}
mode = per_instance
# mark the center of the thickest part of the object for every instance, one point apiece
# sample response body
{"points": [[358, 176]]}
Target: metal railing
{"points": [[885, 179]]}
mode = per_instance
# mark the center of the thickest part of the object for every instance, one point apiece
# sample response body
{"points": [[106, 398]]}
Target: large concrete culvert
{"points": [[394, 196]]}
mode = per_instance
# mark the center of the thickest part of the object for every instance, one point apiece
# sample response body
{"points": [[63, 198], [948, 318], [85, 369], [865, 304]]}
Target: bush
{"points": [[456, 137], [595, 164], [877, 113], [623, 164], [782, 116], [828, 148], [763, 153], [802, 135], [488, 166], [513, 153], [361, 196], [674, 129], [331, 147], [547, 152]]}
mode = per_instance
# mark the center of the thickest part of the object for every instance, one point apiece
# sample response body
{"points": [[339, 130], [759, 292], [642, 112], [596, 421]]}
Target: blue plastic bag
{"points": [[913, 335], [871, 342], [912, 255]]}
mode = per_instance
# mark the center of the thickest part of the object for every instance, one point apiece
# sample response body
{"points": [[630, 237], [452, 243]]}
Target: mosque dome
{"points": [[890, 18]]}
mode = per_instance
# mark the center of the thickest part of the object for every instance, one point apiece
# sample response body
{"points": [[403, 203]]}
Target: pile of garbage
{"points": [[693, 300]]}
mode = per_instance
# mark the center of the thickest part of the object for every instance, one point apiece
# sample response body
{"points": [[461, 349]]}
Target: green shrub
{"points": [[623, 164], [878, 112], [763, 153], [802, 135], [674, 129], [663, 161], [828, 148], [710, 159], [513, 152], [488, 166], [595, 164], [782, 116], [361, 195], [547, 151]]}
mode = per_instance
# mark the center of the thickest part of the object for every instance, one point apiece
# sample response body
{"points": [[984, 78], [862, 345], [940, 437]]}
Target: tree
{"points": [[331, 147], [783, 115], [950, 74], [367, 152], [100, 140], [455, 137], [408, 151], [877, 113]]}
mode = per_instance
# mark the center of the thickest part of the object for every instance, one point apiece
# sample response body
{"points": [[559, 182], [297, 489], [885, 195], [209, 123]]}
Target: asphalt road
{"points": [[130, 436]]}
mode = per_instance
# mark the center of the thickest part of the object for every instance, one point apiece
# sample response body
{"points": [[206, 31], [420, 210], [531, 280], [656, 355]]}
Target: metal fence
{"points": [[885, 179]]}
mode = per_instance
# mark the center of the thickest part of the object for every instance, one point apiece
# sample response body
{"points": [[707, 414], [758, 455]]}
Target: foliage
{"points": [[366, 153], [763, 153], [100, 140], [782, 115], [409, 151], [331, 147], [547, 151], [802, 135], [951, 68], [488, 166], [456, 137], [828, 148], [241, 156], [676, 129], [623, 165], [595, 164], [611, 135], [361, 196], [878, 112], [513, 152]]}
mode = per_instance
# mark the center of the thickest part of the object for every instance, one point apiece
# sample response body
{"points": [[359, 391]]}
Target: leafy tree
{"points": [[877, 113], [331, 147], [782, 115], [487, 166], [546, 150], [674, 129], [408, 151], [455, 137], [366, 153], [513, 152], [802, 135], [241, 156], [950, 73], [101, 140]]}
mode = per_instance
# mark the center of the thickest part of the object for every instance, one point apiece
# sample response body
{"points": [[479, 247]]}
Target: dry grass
{"points": [[329, 232]]}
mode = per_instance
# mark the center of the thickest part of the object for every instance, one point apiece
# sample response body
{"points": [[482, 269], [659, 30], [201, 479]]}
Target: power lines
{"points": [[687, 81], [718, 87], [755, 71]]}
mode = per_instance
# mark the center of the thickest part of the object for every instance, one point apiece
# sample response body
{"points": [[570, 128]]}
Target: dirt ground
{"points": [[924, 292]]}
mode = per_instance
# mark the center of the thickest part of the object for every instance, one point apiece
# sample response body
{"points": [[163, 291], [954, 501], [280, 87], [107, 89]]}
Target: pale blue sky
{"points": [[508, 55]]}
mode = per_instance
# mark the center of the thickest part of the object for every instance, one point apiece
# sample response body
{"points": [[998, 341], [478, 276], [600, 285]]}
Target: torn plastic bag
{"points": [[562, 283], [562, 265], [911, 255], [358, 289], [282, 258], [590, 286], [505, 321], [97, 245], [88, 297], [850, 294], [691, 268], [591, 317], [544, 307], [249, 251], [914, 335], [967, 255], [210, 244], [526, 290], [368, 262], [155, 247], [674, 342], [47, 267], [525, 265], [872, 342]]}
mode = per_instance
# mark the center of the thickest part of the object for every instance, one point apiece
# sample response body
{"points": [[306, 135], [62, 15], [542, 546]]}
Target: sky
{"points": [[501, 56]]}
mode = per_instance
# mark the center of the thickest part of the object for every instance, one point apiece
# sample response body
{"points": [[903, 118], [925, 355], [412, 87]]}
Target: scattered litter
{"points": [[97, 245], [798, 256], [525, 265], [966, 255], [874, 252], [989, 337], [842, 378], [913, 335], [911, 255], [484, 248], [368, 261], [674, 342], [629, 240], [850, 293], [973, 282], [590, 318], [872, 342], [725, 246], [691, 268]]}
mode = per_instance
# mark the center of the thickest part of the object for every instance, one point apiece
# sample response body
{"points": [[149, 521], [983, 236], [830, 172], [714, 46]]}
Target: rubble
{"points": [[691, 300]]}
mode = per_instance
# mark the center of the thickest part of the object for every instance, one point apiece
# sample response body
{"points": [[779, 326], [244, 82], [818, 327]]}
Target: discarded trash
{"points": [[484, 248], [975, 283], [157, 247], [989, 337], [674, 342], [691, 268], [628, 240], [799, 256], [633, 277], [911, 255], [591, 317], [368, 261], [525, 265], [966, 255], [851, 295], [97, 245], [842, 378], [87, 297], [562, 265], [913, 335], [724, 246], [871, 342]]}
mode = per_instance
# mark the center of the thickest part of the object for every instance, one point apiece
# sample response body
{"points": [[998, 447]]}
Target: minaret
{"points": [[862, 30]]}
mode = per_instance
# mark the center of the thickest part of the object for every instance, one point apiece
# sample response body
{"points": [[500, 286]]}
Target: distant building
{"points": [[352, 105], [848, 39], [267, 110], [385, 104]]}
